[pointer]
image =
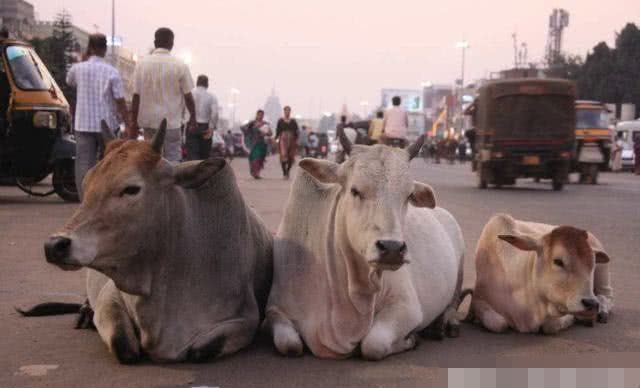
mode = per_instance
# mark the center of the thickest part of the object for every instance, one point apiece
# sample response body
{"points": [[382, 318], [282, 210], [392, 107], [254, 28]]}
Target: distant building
{"points": [[125, 61], [18, 17], [273, 108]]}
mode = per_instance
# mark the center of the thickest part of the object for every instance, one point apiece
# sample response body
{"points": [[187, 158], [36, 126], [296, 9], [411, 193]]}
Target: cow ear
{"points": [[602, 257], [422, 196], [522, 242], [191, 175], [323, 170]]}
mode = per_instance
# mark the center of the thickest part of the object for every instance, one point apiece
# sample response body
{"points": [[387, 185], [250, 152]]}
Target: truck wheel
{"points": [[593, 174], [557, 184], [482, 179], [64, 181]]}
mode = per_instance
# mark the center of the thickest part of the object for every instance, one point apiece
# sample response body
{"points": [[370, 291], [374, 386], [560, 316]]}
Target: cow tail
{"points": [[52, 308], [470, 316]]}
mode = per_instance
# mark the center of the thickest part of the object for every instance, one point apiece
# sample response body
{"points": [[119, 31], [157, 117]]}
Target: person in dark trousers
{"points": [[287, 133], [198, 140], [636, 151]]}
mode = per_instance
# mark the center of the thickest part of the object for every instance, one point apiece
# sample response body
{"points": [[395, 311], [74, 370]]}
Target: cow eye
{"points": [[130, 190], [356, 193], [558, 262]]}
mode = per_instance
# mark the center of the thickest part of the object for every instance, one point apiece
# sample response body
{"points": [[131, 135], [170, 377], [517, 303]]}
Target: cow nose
{"points": [[590, 304], [56, 249], [391, 247]]}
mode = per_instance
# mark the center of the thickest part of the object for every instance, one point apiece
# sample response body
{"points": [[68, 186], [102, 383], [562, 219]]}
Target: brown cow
{"points": [[533, 276]]}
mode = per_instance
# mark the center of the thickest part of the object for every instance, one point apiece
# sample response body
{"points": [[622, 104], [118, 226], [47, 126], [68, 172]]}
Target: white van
{"points": [[628, 130]]}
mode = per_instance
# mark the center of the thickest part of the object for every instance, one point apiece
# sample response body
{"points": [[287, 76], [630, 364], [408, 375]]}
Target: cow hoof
{"points": [[85, 317], [603, 317], [287, 340], [212, 350], [453, 331], [123, 351]]}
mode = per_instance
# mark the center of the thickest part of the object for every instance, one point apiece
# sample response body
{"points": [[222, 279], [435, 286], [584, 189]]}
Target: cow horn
{"points": [[107, 133], [158, 139], [344, 141], [414, 149]]}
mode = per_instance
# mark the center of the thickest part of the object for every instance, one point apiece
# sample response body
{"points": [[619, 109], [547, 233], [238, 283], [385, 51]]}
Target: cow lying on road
{"points": [[362, 258], [179, 265], [533, 277]]}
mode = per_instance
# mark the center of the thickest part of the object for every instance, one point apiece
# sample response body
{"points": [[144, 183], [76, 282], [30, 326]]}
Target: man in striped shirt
{"points": [[162, 88], [100, 94]]}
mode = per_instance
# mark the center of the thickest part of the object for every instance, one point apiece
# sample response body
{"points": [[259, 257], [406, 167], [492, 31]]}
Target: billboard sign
{"points": [[411, 99]]}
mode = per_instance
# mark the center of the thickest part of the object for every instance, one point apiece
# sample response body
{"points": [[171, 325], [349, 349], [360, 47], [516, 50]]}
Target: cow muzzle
{"points": [[57, 250], [391, 255]]}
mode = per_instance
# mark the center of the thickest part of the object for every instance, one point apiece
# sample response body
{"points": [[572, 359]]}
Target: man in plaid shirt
{"points": [[100, 94]]}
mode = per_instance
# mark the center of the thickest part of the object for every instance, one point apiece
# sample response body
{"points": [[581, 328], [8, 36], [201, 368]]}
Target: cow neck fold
{"points": [[352, 297], [525, 314], [180, 271]]}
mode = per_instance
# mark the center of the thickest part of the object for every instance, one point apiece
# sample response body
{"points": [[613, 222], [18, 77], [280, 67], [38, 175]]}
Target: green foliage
{"points": [[57, 52], [613, 74]]}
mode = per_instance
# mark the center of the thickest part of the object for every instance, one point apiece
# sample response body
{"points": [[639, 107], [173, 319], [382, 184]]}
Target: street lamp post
{"points": [[464, 45]]}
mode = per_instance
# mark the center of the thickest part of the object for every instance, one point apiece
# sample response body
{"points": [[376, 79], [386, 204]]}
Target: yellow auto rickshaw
{"points": [[35, 125]]}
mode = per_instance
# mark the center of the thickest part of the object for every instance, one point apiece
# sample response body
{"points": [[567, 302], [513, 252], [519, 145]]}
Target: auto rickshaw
{"points": [[593, 140], [35, 125], [524, 128]]}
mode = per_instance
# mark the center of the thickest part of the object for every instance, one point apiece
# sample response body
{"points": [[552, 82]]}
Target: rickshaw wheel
{"points": [[64, 183], [27, 187]]}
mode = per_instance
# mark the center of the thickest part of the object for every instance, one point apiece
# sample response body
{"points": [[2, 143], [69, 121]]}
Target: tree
{"points": [[565, 66], [613, 75], [58, 52]]}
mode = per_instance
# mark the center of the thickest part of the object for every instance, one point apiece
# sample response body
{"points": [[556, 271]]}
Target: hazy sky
{"points": [[322, 54]]}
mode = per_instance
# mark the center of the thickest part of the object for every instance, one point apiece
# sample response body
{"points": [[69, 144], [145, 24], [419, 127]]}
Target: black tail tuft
{"points": [[46, 309]]}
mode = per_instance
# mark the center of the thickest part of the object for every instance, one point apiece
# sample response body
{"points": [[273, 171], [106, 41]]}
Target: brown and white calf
{"points": [[533, 277]]}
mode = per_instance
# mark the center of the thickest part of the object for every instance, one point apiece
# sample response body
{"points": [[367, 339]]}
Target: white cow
{"points": [[363, 258], [533, 277]]}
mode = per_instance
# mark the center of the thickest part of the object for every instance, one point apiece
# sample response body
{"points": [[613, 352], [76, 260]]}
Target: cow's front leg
{"points": [[226, 338], [115, 326], [392, 332], [285, 337], [554, 325]]}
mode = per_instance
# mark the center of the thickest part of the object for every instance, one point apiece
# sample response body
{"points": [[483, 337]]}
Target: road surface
{"points": [[48, 351]]}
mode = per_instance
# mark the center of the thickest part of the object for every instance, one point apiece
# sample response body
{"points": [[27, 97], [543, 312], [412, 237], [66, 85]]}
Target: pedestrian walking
{"points": [[462, 151], [199, 140], [287, 133], [396, 124], [376, 126], [99, 96], [162, 89], [255, 132], [616, 156]]}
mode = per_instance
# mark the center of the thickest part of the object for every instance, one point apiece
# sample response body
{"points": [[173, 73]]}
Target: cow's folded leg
{"points": [[285, 337], [227, 337], [451, 323], [489, 318], [604, 309], [554, 325], [115, 326], [392, 332]]}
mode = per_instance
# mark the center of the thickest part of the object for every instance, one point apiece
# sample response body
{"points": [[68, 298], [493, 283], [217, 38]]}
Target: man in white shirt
{"points": [[395, 124], [162, 88], [99, 95], [199, 140]]}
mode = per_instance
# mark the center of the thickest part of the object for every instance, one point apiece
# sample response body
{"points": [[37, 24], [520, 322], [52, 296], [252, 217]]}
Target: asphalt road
{"points": [[48, 351]]}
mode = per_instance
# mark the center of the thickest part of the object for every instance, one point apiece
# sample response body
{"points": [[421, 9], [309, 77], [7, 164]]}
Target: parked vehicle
{"points": [[35, 125], [524, 128], [593, 140], [628, 130]]}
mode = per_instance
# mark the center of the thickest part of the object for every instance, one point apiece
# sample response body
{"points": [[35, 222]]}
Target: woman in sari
{"points": [[254, 134], [287, 134]]}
